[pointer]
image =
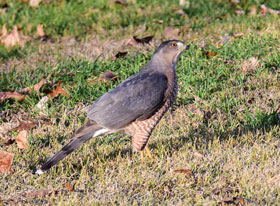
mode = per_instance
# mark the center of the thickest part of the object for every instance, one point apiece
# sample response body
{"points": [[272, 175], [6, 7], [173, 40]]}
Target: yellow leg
{"points": [[149, 152]]}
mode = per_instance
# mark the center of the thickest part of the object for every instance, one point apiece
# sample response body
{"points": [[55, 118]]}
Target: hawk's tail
{"points": [[86, 132]]}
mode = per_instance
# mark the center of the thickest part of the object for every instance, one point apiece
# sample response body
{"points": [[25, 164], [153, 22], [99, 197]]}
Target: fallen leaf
{"points": [[42, 105], [70, 188], [158, 21], [171, 32], [11, 39], [40, 31], [4, 31], [239, 12], [185, 28], [253, 10], [210, 54], [34, 3], [185, 171], [143, 40], [121, 2], [24, 126], [107, 76], [265, 10], [44, 193], [235, 1], [21, 139], [13, 95], [36, 87], [9, 142], [6, 160], [235, 200], [238, 35], [59, 90], [121, 54], [250, 66]]}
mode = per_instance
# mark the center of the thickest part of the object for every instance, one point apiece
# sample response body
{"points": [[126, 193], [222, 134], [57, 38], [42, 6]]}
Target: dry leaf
{"points": [[143, 40], [210, 54], [159, 21], [185, 171], [6, 160], [250, 66], [8, 95], [9, 142], [239, 12], [44, 193], [11, 39], [70, 188], [21, 139], [4, 31], [40, 31], [34, 3], [121, 2], [107, 76], [121, 54], [36, 87], [185, 28], [238, 35], [171, 32], [42, 105], [253, 10], [235, 200], [59, 90], [24, 126], [265, 10]]}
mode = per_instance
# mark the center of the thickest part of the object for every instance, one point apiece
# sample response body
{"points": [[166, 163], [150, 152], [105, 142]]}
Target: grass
{"points": [[224, 126]]}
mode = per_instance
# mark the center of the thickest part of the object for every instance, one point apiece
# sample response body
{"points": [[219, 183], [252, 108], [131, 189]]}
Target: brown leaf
{"points": [[185, 171], [43, 193], [121, 54], [59, 90], [265, 10], [253, 10], [171, 32], [40, 31], [143, 40], [235, 200], [4, 31], [69, 187], [239, 12], [36, 87], [11, 39], [34, 3], [185, 28], [107, 76], [24, 126], [121, 2], [21, 139], [9, 142], [210, 54], [238, 35], [8, 95], [158, 21], [6, 160]]}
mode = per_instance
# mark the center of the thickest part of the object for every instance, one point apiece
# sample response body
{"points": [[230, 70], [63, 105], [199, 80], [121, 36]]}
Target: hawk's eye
{"points": [[173, 45]]}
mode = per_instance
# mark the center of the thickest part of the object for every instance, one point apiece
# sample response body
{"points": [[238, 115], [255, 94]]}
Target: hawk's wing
{"points": [[136, 98]]}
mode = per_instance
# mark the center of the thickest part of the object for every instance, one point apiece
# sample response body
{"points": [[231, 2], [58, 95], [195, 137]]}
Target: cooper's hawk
{"points": [[135, 106]]}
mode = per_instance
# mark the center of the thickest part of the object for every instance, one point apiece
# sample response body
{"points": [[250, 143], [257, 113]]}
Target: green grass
{"points": [[224, 126]]}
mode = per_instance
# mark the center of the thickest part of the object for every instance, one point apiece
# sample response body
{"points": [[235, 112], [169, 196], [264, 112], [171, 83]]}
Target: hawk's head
{"points": [[171, 50]]}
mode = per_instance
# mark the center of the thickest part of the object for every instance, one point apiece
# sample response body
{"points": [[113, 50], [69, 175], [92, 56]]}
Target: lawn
{"points": [[218, 145]]}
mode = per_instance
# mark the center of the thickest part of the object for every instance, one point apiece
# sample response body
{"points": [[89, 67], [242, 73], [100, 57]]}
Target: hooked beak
{"points": [[183, 47]]}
